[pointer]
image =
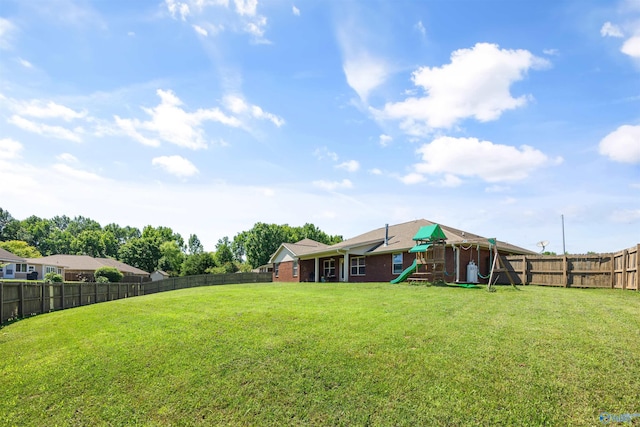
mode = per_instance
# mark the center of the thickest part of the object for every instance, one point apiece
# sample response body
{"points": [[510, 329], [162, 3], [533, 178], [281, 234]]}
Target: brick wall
{"points": [[285, 273]]}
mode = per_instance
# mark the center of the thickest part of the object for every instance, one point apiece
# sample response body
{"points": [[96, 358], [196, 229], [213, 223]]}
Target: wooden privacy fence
{"points": [[620, 270], [24, 299]]}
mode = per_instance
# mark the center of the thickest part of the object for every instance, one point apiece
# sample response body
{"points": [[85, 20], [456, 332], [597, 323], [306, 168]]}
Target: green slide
{"points": [[403, 276]]}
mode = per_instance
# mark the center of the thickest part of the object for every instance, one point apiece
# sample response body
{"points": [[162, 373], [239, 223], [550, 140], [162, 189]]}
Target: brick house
{"points": [[380, 255]]}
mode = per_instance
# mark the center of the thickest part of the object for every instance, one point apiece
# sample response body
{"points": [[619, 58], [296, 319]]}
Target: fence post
{"points": [[565, 266], [613, 270], [42, 286], [638, 267], [1, 302], [21, 298], [80, 294], [524, 270], [62, 295], [625, 255]]}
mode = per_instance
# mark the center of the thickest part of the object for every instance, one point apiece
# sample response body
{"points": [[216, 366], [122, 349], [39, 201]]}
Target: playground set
{"points": [[430, 263]]}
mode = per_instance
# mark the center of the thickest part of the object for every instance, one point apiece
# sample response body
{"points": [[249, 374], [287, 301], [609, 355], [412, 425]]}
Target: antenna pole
{"points": [[564, 251]]}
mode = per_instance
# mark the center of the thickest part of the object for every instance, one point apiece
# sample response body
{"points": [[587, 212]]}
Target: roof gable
{"points": [[7, 256]]}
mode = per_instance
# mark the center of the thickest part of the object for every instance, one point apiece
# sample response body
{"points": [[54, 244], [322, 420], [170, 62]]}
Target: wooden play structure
{"points": [[429, 265]]}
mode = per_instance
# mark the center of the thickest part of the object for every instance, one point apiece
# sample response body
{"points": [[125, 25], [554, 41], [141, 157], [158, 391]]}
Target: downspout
{"points": [[386, 234], [457, 249]]}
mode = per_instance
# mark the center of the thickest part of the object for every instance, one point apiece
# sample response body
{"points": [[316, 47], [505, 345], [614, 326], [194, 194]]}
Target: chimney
{"points": [[386, 234]]}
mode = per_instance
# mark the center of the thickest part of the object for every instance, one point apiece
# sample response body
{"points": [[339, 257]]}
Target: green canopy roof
{"points": [[420, 248], [430, 232]]}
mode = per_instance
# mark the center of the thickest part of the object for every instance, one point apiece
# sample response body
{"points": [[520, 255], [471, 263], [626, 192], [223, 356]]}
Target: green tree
{"points": [[171, 259], [194, 246], [141, 253], [89, 242], [80, 223], [223, 252], [59, 242], [5, 225], [20, 248], [262, 241], [238, 246], [197, 263], [35, 230], [110, 244], [110, 273]]}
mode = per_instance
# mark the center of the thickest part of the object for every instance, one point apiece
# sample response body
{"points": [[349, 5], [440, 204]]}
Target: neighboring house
{"points": [[159, 275], [27, 268], [9, 262], [266, 268], [381, 255], [78, 267]]}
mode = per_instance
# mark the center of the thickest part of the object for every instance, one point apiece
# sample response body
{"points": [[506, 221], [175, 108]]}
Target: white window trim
{"points": [[355, 263], [295, 268], [276, 268], [328, 266]]}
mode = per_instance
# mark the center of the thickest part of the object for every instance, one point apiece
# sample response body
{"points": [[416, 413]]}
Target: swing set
{"points": [[430, 263]]}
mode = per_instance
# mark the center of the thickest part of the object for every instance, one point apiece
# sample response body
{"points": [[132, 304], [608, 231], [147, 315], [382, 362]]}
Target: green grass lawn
{"points": [[328, 354]]}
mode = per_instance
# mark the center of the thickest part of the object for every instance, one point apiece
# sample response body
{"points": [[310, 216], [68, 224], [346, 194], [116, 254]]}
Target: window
{"points": [[295, 268], [21, 268], [397, 263], [357, 266], [51, 269], [276, 268], [329, 268], [32, 268]]}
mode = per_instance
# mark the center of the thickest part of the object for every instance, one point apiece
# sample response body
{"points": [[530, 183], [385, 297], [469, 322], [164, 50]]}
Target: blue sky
{"points": [[207, 116]]}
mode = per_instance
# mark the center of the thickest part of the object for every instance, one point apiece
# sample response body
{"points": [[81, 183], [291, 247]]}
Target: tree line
{"points": [[153, 248]]}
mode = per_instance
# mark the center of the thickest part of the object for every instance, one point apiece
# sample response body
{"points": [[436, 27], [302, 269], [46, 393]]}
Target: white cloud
{"points": [[385, 140], [551, 52], [246, 7], [295, 11], [128, 127], [76, 173], [622, 145], [46, 110], [175, 165], [256, 27], [333, 185], [200, 30], [237, 105], [420, 28], [413, 178], [178, 8], [610, 30], [46, 130], [9, 149], [349, 166], [67, 157], [375, 171], [476, 83], [449, 180], [324, 153], [7, 28], [364, 73], [173, 124], [131, 34], [631, 47], [25, 63], [469, 157]]}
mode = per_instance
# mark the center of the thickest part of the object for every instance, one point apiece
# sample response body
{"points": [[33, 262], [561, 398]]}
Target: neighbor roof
{"points": [[86, 263], [7, 256]]}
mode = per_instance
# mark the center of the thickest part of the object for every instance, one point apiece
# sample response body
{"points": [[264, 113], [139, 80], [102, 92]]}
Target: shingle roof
{"points": [[304, 246], [401, 239], [85, 263], [7, 256]]}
